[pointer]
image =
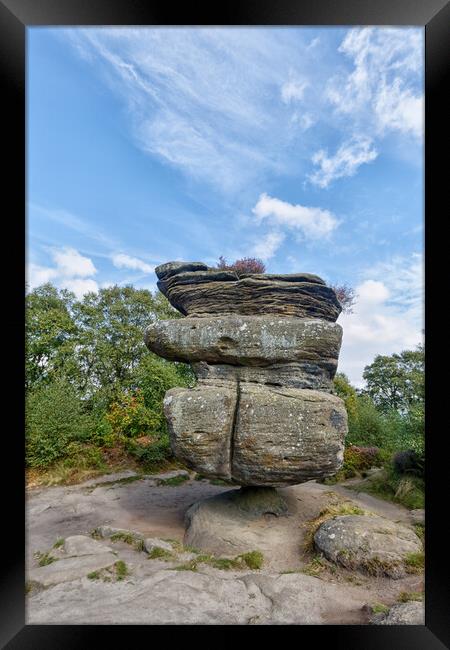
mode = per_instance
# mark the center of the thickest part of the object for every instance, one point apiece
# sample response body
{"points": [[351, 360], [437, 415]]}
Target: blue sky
{"points": [[301, 146]]}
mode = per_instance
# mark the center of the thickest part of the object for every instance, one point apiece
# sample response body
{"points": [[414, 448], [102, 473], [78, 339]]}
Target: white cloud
{"points": [[372, 292], [70, 263], [37, 275], [71, 271], [398, 108], [122, 261], [313, 223], [387, 317], [350, 155], [80, 286], [293, 90], [384, 89], [268, 245]]}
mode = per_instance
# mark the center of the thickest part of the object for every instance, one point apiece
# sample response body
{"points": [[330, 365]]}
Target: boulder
{"points": [[370, 543], [257, 435], [248, 341], [205, 293], [285, 436], [200, 422], [411, 613], [164, 271]]}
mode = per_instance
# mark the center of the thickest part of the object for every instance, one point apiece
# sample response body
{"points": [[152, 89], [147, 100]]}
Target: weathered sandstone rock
{"points": [[201, 423], [264, 348], [410, 613], [293, 375], [164, 271], [257, 435], [285, 435], [205, 293], [247, 340], [370, 543]]}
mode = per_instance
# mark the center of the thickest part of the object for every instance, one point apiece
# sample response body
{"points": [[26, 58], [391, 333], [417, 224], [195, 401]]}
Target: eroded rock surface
{"points": [[370, 543], [265, 351], [196, 290]]}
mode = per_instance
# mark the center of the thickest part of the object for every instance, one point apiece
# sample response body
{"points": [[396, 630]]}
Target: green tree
{"points": [[397, 381], [55, 417], [347, 393], [50, 333], [110, 343]]}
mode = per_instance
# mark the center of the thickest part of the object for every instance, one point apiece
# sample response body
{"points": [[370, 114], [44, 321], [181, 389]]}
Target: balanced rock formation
{"points": [[264, 349]]}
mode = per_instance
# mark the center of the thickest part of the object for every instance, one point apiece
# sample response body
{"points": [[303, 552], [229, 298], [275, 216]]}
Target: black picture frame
{"points": [[434, 16]]}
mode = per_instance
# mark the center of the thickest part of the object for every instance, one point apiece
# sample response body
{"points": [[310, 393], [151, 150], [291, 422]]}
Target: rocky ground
{"points": [[111, 550]]}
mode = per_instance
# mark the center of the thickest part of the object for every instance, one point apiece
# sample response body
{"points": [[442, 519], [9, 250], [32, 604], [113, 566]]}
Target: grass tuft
{"points": [[59, 542], [253, 559], [406, 596], [415, 562], [329, 512], [44, 558], [121, 570], [379, 608], [158, 553]]}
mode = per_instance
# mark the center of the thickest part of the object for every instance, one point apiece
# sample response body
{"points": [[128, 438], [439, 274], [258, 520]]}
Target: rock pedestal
{"points": [[265, 350]]}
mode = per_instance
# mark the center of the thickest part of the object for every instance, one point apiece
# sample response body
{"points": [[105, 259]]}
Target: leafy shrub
{"points": [[55, 417], [131, 418], [356, 461], [152, 455], [408, 462], [244, 265], [83, 456]]}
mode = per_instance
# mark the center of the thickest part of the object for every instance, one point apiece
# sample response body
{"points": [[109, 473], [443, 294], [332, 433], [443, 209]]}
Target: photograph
{"points": [[224, 321]]}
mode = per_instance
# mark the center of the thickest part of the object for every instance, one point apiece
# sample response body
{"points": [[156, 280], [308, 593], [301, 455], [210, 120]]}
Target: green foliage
{"points": [[91, 381], [55, 417], [389, 485], [396, 382], [253, 559], [130, 417], [158, 553], [50, 333], [152, 456], [121, 570]]}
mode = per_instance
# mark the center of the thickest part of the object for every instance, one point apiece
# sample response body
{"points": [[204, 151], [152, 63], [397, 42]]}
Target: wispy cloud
{"points": [[268, 245], [345, 162], [312, 223], [122, 261], [75, 223], [215, 103], [383, 90]]}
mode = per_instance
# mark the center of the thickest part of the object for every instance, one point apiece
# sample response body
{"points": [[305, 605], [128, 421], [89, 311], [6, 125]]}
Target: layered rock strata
{"points": [[264, 349]]}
